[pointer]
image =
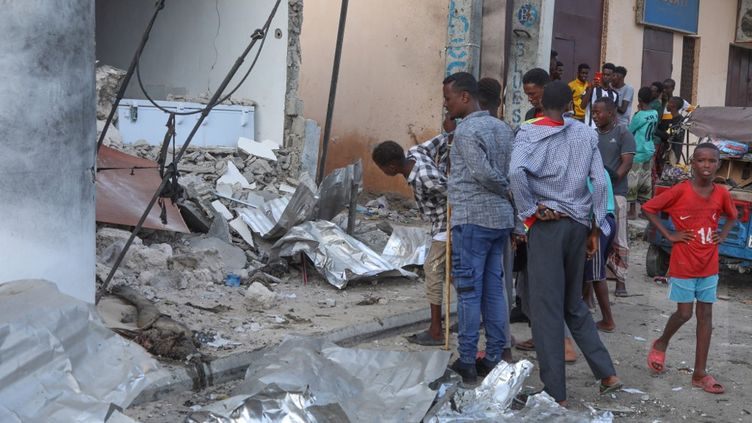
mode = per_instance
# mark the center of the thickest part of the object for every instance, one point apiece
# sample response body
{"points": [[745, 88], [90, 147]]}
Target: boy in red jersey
{"points": [[695, 207]]}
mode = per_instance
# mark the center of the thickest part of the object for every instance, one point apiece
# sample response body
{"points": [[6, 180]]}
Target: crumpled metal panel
{"points": [[335, 254], [336, 189], [277, 216], [125, 184], [490, 401], [58, 363], [407, 246], [271, 405], [369, 386]]}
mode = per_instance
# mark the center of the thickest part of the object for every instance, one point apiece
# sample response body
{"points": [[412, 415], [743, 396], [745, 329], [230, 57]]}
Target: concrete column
{"points": [[47, 140], [532, 28], [464, 31]]}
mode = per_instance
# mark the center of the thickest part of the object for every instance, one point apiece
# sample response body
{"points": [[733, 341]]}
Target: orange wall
{"points": [[389, 82]]}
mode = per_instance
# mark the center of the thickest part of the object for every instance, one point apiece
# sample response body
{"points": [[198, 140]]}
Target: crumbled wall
{"points": [[294, 121]]}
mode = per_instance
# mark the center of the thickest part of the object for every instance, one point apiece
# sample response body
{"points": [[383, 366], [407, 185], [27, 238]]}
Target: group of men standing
{"points": [[550, 176]]}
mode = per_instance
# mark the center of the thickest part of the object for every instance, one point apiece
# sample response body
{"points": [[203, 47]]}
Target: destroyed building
{"points": [[109, 301]]}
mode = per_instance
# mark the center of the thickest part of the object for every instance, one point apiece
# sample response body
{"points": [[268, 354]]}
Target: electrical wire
{"points": [[261, 33], [214, 44]]}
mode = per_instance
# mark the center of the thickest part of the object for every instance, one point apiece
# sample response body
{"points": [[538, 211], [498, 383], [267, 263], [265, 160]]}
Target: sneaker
{"points": [[467, 371], [483, 367]]}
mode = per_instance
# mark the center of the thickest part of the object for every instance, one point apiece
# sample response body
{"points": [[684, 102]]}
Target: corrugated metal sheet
{"points": [[125, 185]]}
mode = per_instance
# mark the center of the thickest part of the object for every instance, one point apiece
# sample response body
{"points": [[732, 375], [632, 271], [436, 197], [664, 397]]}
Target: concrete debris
{"points": [[130, 314], [378, 203], [259, 296], [113, 138], [221, 209], [264, 149], [239, 226], [108, 81]]}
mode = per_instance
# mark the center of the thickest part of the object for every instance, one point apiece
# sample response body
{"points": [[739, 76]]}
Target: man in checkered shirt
{"points": [[425, 169], [552, 160]]}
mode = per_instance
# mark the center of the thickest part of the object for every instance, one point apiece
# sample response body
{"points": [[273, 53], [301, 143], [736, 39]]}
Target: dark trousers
{"points": [[556, 262]]}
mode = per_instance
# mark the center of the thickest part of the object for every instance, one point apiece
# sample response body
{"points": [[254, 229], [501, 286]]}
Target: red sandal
{"points": [[709, 384], [656, 359]]}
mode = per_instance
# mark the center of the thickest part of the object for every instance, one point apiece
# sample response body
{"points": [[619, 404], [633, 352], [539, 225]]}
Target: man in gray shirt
{"points": [[481, 220], [626, 94], [617, 147]]}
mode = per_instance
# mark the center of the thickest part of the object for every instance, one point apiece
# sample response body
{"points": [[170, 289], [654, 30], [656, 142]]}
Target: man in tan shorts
{"points": [[425, 169]]}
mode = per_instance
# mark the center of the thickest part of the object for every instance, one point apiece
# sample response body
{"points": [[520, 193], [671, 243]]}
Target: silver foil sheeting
{"points": [[491, 401], [339, 257], [271, 405], [273, 218], [58, 363], [407, 246], [323, 378]]}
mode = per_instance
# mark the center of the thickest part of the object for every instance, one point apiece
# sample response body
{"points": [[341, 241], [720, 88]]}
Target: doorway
{"points": [[739, 79], [657, 51], [577, 34]]}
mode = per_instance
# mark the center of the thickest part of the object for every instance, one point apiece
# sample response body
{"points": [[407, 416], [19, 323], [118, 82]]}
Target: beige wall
{"points": [[715, 30], [624, 41], [389, 81]]}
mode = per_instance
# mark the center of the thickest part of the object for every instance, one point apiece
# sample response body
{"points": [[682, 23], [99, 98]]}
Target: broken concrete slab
{"points": [[239, 226], [263, 149], [233, 258], [259, 296], [233, 176], [221, 209]]}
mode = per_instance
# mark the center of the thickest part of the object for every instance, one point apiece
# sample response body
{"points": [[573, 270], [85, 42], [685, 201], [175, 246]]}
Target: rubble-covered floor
{"points": [[640, 318]]}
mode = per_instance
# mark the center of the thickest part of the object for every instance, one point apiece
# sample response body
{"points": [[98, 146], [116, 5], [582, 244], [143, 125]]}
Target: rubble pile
{"points": [[225, 281]]}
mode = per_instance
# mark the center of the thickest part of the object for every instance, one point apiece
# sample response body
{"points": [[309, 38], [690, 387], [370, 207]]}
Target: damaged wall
{"points": [[389, 81], [47, 128], [193, 45]]}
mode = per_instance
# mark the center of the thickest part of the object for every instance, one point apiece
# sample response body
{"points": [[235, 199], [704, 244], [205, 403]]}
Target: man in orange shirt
{"points": [[578, 87]]}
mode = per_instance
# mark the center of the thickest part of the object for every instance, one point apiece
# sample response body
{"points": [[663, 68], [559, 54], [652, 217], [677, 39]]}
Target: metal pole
{"points": [[332, 91], [123, 85], [448, 278], [257, 35]]}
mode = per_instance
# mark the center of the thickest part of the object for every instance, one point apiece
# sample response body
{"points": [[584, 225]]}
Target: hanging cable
{"points": [[257, 35], [159, 5]]}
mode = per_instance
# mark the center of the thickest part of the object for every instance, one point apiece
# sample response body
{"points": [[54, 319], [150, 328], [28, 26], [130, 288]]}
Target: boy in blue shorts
{"points": [[695, 207]]}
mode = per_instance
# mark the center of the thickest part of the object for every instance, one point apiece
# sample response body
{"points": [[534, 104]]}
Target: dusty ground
{"points": [[640, 318]]}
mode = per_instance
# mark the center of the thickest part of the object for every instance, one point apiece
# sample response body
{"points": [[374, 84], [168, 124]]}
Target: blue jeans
{"points": [[477, 276]]}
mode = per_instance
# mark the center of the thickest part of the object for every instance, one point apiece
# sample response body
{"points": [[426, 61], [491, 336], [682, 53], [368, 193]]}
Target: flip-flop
{"points": [[621, 293], [424, 338], [709, 384], [528, 345], [603, 329], [656, 359], [607, 389]]}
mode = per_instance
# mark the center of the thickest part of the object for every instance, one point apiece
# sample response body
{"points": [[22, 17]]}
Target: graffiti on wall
{"points": [[458, 34], [525, 30]]}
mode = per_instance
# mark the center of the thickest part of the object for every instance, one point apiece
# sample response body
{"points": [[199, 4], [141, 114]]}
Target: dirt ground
{"points": [[640, 318]]}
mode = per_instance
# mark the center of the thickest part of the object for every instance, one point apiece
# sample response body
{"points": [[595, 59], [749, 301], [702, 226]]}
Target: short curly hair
{"points": [[388, 152]]}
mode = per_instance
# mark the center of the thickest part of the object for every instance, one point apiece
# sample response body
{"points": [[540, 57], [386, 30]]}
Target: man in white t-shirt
{"points": [[600, 87], [626, 93]]}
